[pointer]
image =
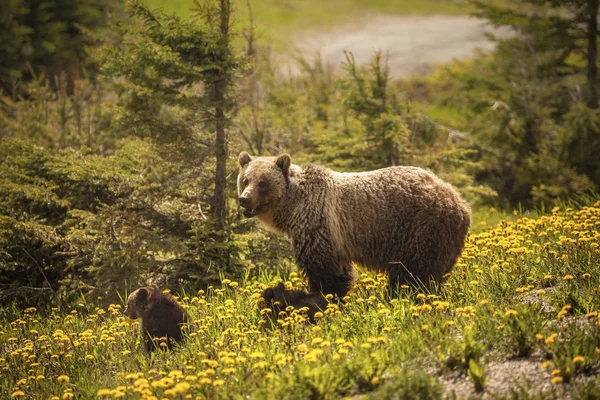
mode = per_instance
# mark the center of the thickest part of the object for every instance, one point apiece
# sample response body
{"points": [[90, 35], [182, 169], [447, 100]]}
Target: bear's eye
{"points": [[262, 185], [245, 182]]}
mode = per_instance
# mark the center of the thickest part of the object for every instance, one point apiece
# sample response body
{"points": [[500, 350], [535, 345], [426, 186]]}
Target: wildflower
{"points": [[103, 392], [545, 365], [557, 379], [374, 380], [63, 378], [259, 365], [218, 382], [578, 360], [510, 313], [302, 348], [539, 336], [18, 393], [550, 339], [567, 277]]}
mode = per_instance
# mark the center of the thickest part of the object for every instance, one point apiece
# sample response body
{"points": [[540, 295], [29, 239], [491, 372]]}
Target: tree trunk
{"points": [[592, 53], [218, 211]]}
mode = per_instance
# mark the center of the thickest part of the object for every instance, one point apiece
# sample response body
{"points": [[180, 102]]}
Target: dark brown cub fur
{"points": [[161, 315], [278, 298]]}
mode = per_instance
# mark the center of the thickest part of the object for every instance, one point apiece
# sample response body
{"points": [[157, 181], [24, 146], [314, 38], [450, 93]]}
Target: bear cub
{"points": [[161, 315]]}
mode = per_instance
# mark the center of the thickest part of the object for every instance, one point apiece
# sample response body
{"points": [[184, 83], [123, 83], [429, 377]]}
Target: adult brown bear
{"points": [[402, 220]]}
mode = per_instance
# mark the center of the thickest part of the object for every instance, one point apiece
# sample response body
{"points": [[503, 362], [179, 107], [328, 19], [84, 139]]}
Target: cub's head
{"points": [[262, 182], [138, 301]]}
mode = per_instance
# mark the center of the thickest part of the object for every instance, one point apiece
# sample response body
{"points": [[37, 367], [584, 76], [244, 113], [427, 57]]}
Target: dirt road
{"points": [[413, 43]]}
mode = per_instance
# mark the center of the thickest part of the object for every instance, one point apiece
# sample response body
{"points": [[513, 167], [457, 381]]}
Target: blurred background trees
{"points": [[119, 127]]}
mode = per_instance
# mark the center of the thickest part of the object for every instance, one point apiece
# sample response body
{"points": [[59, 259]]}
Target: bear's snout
{"points": [[245, 202]]}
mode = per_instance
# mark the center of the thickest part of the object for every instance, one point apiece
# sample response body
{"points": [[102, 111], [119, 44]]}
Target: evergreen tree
{"points": [[51, 37]]}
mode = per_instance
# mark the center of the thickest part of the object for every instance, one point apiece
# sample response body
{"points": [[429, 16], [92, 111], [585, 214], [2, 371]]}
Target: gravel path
{"points": [[413, 43]]}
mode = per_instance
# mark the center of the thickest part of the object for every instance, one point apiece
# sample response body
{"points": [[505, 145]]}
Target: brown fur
{"points": [[161, 315], [402, 220], [278, 298]]}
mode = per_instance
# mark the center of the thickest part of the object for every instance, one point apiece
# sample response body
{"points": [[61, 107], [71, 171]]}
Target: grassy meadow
{"points": [[517, 318], [277, 21]]}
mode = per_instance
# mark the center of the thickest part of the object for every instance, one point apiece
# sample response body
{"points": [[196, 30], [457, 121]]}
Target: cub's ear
{"points": [[284, 161], [244, 158]]}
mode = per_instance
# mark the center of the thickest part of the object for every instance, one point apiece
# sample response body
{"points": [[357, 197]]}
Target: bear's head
{"points": [[262, 183], [138, 301]]}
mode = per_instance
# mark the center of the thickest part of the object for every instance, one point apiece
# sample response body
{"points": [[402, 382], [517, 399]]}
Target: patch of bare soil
{"points": [[413, 44], [519, 377]]}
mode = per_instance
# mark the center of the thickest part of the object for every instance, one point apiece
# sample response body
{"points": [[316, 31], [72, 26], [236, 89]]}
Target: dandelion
{"points": [[302, 348], [550, 339], [63, 378], [557, 380], [18, 393], [374, 380], [578, 360], [510, 313], [103, 393], [567, 277]]}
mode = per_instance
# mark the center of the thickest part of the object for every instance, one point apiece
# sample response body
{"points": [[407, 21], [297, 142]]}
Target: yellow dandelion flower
{"points": [[63, 378], [539, 336], [259, 365], [218, 382], [510, 313], [302, 348], [550, 339], [555, 372], [67, 396], [103, 393], [545, 365], [17, 393], [421, 296], [374, 380], [557, 380], [578, 360], [567, 277]]}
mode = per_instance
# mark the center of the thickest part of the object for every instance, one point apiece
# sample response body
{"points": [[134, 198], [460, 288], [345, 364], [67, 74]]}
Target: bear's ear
{"points": [[142, 294], [284, 161], [244, 158]]}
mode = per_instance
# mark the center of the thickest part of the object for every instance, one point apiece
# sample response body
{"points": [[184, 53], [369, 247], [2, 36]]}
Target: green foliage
{"points": [[50, 36], [530, 105]]}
